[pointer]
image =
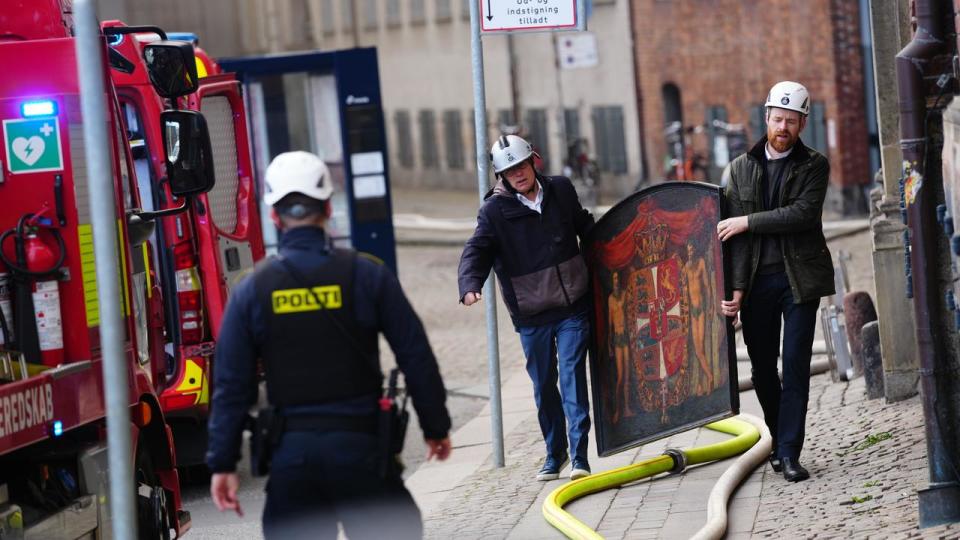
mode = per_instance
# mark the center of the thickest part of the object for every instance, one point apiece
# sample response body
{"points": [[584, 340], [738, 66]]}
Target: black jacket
{"points": [[380, 306], [536, 257], [797, 221]]}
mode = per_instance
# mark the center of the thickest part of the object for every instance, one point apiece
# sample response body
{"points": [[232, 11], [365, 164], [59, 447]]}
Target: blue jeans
{"points": [[563, 344], [784, 407], [318, 479]]}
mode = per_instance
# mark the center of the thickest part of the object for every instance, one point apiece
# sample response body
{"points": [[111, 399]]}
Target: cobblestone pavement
{"points": [[867, 458]]}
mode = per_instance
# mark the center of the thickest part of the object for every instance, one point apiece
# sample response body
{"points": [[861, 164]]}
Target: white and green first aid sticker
{"points": [[33, 145]]}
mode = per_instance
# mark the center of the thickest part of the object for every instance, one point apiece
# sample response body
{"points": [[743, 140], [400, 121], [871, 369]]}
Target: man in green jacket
{"points": [[781, 265]]}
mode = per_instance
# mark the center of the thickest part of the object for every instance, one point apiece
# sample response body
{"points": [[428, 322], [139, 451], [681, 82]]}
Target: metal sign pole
{"points": [[489, 288], [90, 69]]}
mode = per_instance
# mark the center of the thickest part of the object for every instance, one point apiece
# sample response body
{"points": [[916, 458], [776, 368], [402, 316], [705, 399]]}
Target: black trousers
{"points": [[319, 479], [784, 406]]}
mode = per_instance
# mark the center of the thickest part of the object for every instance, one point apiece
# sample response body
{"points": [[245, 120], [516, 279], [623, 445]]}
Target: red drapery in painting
{"points": [[619, 251]]}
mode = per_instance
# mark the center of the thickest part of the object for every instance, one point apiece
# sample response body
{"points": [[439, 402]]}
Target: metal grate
{"points": [[223, 196], [78, 164]]}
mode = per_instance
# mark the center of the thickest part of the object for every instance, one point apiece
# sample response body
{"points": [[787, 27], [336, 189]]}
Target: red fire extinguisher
{"points": [[46, 298], [35, 275]]}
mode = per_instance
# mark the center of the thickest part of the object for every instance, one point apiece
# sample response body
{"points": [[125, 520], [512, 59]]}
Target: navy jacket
{"points": [[380, 304], [536, 257]]}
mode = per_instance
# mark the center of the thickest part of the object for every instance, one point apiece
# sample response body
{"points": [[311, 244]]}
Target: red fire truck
{"points": [[202, 252], [53, 456]]}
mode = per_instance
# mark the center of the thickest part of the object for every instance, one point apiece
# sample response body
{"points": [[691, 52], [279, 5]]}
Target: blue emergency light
{"points": [[184, 36], [57, 428], [46, 107]]}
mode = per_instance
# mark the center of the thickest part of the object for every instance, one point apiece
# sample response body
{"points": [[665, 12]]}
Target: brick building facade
{"points": [[701, 60]]}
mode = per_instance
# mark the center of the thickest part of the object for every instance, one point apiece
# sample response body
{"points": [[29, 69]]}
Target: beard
{"points": [[781, 144]]}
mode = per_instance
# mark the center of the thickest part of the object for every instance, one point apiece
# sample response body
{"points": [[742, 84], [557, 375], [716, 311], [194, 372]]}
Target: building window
{"points": [[758, 122], [393, 13], [443, 11], [816, 130], [300, 34], [428, 140], [505, 121], [571, 127], [609, 133], [418, 14], [536, 128], [404, 143], [346, 14], [571, 124], [370, 14], [472, 151], [453, 138], [327, 21]]}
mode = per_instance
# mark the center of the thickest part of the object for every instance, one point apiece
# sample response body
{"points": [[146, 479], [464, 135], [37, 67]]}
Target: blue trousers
{"points": [[318, 479], [784, 407], [552, 349]]}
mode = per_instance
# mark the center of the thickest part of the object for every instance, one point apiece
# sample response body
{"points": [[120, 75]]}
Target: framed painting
{"points": [[662, 357]]}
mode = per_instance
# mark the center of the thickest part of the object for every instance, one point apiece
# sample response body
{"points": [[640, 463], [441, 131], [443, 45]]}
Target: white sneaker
{"points": [[579, 470], [550, 470]]}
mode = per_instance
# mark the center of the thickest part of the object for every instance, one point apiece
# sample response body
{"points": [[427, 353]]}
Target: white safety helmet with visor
{"points": [[509, 151]]}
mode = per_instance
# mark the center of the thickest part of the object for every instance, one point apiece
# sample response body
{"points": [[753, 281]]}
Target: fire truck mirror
{"points": [[172, 68], [139, 230], [186, 142]]}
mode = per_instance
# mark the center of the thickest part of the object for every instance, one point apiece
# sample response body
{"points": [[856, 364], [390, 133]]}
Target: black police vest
{"points": [[315, 353]]}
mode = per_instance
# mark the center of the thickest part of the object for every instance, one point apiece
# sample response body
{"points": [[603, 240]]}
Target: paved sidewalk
{"points": [[867, 460]]}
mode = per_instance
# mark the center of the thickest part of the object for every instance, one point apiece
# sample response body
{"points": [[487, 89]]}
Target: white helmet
{"points": [[297, 172], [789, 95], [509, 151]]}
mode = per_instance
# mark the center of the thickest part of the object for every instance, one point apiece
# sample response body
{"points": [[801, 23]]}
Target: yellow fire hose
{"points": [[746, 435]]}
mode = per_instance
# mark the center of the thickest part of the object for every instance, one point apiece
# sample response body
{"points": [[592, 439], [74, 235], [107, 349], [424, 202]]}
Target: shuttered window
{"points": [[453, 138], [346, 14], [327, 21], [443, 10], [404, 142], [370, 14], [418, 14], [609, 132], [393, 13], [536, 128], [815, 134], [428, 140], [571, 124]]}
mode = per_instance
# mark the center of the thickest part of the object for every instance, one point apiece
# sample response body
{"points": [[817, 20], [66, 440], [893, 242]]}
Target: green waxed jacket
{"points": [[797, 221]]}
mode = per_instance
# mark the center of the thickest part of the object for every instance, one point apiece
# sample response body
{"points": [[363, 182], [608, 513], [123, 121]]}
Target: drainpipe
{"points": [[940, 502], [638, 91]]}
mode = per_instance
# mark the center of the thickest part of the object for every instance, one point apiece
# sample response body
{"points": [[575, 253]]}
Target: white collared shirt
{"points": [[536, 204], [773, 154]]}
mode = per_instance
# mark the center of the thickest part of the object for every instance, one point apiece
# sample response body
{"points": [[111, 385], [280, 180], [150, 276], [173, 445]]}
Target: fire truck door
{"points": [[139, 287], [226, 218]]}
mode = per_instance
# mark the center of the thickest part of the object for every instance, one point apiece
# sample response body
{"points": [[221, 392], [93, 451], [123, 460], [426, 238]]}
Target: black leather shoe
{"points": [[775, 463], [793, 471]]}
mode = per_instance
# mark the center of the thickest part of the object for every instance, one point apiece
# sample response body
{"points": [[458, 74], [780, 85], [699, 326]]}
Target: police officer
{"points": [[320, 356]]}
